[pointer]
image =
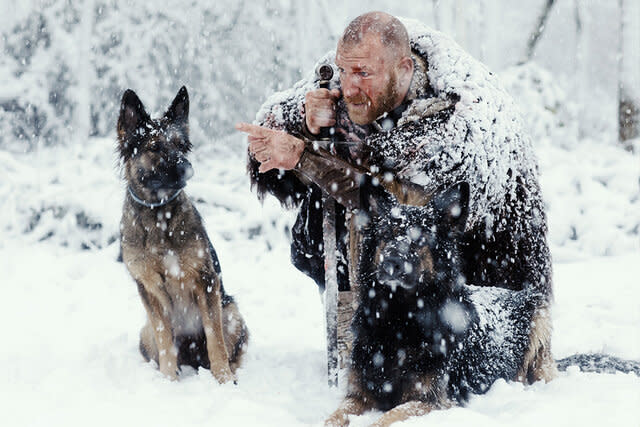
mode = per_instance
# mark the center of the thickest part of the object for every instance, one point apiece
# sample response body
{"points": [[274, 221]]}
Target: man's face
{"points": [[368, 78]]}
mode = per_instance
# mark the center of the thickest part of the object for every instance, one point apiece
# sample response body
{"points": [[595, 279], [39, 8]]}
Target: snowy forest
{"points": [[71, 314]]}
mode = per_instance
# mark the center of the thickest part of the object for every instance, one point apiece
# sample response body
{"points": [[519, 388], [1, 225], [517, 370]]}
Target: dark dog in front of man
{"points": [[190, 319], [425, 339]]}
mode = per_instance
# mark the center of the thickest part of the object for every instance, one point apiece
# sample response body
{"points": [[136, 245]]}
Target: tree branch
{"points": [[539, 29]]}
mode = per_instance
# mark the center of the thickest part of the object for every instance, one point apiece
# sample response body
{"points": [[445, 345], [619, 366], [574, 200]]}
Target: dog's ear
{"points": [[131, 122], [178, 113], [451, 206], [132, 113], [375, 201]]}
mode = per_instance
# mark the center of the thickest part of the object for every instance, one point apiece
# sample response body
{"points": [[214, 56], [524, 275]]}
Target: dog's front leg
{"points": [[349, 406], [210, 305], [162, 330], [415, 408]]}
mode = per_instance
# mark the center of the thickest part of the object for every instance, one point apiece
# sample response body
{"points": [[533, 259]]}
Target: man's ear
{"points": [[405, 67], [451, 206], [132, 113], [178, 113]]}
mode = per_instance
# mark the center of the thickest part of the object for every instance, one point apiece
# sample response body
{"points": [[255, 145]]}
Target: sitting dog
{"points": [[424, 339], [190, 318]]}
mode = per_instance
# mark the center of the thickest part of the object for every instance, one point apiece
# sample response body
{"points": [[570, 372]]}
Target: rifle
{"points": [[327, 136]]}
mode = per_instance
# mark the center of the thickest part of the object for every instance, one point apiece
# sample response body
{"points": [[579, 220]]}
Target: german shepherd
{"points": [[424, 339], [190, 318]]}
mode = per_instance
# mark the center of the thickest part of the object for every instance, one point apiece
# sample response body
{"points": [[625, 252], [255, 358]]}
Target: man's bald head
{"points": [[374, 60], [391, 32]]}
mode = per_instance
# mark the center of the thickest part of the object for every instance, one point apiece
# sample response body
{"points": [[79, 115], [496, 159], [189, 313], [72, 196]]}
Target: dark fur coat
{"points": [[479, 139]]}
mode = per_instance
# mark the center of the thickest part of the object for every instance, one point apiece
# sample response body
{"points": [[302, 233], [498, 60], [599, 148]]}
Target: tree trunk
{"points": [[579, 70], [84, 73], [629, 73], [539, 29]]}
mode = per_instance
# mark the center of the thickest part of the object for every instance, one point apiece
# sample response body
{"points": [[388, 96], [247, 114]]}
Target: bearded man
{"points": [[417, 112]]}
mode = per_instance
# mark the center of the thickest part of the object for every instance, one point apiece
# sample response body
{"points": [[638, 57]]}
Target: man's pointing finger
{"points": [[253, 130]]}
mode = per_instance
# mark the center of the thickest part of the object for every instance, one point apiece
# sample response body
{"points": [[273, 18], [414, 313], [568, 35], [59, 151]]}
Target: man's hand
{"points": [[320, 109], [272, 148]]}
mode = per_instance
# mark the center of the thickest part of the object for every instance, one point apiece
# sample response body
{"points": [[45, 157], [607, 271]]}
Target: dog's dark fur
{"points": [[424, 339], [190, 318]]}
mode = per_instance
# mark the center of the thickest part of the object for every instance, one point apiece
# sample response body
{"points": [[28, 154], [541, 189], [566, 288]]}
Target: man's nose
{"points": [[349, 86]]}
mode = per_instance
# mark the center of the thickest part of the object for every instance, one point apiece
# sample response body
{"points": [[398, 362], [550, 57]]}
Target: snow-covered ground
{"points": [[70, 317]]}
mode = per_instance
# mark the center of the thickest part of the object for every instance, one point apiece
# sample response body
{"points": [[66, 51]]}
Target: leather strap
{"points": [[341, 180], [336, 177]]}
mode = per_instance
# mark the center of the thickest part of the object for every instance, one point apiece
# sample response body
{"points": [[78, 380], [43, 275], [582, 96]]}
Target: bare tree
{"points": [[435, 6], [539, 29], [629, 72], [579, 69]]}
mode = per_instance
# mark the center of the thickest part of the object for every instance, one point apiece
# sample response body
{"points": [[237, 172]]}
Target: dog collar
{"points": [[144, 203]]}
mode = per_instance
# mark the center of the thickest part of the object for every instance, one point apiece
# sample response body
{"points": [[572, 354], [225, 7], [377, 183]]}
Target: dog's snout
{"points": [[184, 169], [170, 172], [392, 265], [397, 268]]}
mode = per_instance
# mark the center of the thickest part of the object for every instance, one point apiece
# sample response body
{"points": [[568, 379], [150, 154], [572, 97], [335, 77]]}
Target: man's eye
{"points": [[363, 74]]}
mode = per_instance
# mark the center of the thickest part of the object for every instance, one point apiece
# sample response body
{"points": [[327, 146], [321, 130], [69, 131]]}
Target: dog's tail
{"points": [[598, 362]]}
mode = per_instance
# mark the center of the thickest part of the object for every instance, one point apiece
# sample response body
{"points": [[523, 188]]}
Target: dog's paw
{"points": [[224, 375], [337, 419], [170, 373]]}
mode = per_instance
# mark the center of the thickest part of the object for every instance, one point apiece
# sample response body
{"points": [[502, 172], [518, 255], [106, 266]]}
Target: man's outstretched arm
{"points": [[335, 176], [277, 149]]}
